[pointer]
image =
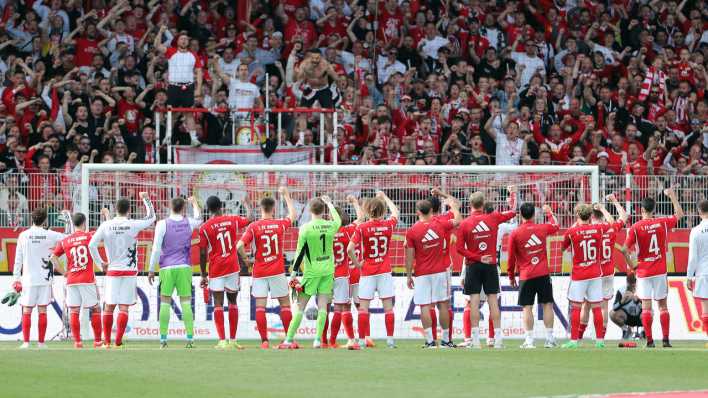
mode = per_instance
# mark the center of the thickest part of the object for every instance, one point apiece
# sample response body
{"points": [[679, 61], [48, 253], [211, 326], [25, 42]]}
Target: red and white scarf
{"points": [[653, 76]]}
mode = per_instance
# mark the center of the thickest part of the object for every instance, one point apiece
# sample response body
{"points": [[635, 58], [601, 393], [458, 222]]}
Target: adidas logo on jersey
{"points": [[481, 227], [430, 235], [533, 241]]}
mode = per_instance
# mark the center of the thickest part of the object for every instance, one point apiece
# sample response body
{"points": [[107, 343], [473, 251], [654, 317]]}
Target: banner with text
{"points": [[242, 154]]}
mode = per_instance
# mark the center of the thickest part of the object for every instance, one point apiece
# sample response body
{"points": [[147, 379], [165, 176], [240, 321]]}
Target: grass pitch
{"points": [[142, 370]]}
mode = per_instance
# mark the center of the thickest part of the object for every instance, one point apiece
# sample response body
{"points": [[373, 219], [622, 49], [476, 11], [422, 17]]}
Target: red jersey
{"points": [[527, 249], [219, 235], [85, 50], [477, 235], [341, 259], [651, 237], [268, 236], [429, 240], [607, 245], [374, 237], [584, 241], [79, 265], [445, 217]]}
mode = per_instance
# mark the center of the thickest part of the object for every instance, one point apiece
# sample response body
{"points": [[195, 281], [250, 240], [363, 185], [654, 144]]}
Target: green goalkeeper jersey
{"points": [[314, 243]]}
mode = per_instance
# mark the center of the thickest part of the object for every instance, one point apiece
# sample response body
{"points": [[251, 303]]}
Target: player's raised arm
{"points": [[150, 216], [606, 214], [455, 209], [196, 220], [550, 217], [392, 208], [285, 194], [357, 208], [678, 210], [337, 221], [621, 212]]}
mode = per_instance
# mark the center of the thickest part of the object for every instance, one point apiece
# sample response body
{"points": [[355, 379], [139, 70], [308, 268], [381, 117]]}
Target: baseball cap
{"points": [[603, 154]]}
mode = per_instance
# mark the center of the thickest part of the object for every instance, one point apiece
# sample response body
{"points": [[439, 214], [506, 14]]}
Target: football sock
{"points": [[581, 330], [429, 335], [498, 335], [286, 316], [475, 334], [96, 325], [434, 323], [575, 323], [336, 324], [390, 319], [321, 321], [219, 322], [26, 326], [348, 322], [164, 319], [445, 335], [647, 321], [491, 332], [75, 326], [294, 325], [107, 326], [466, 323], [42, 326], [121, 323], [323, 336], [549, 334], [262, 323], [598, 322], [233, 321], [188, 318], [665, 320], [363, 323], [704, 318], [451, 314]]}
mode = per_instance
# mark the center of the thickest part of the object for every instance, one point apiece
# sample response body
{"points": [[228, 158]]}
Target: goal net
{"points": [[240, 187]]}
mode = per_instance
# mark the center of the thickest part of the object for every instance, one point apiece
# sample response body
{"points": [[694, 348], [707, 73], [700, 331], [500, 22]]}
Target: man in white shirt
{"points": [[119, 237], [33, 273], [432, 42], [228, 62], [171, 247], [528, 63], [697, 273], [388, 65]]}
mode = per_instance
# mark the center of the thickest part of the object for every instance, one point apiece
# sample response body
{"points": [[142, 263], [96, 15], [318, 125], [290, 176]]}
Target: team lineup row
{"points": [[344, 262]]}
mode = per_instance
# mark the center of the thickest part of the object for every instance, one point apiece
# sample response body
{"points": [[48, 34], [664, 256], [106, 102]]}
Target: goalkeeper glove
{"points": [[11, 298], [296, 288], [17, 285]]}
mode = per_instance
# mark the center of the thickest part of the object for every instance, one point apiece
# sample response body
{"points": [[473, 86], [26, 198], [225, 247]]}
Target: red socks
{"points": [[326, 328], [434, 323], [575, 323], [336, 324], [42, 327], [390, 319], [219, 322], [704, 318], [286, 316], [26, 326], [121, 323], [581, 330], [490, 328], [363, 323], [233, 321], [107, 327], [598, 322], [348, 322], [467, 323], [450, 326], [262, 323], [75, 327], [665, 320], [646, 323], [96, 325]]}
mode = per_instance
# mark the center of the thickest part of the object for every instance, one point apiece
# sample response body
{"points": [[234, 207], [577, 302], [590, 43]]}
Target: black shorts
{"points": [[536, 287], [327, 97], [480, 275], [180, 95], [633, 321]]}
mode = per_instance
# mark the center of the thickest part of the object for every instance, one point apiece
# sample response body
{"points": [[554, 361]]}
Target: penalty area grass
{"points": [[142, 370]]}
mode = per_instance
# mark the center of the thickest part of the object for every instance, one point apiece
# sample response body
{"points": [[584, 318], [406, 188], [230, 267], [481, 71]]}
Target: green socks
{"points": [[188, 318], [321, 320], [164, 320], [294, 325]]}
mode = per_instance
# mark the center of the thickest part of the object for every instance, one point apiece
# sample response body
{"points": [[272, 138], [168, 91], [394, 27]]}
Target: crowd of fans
{"points": [[620, 83]]}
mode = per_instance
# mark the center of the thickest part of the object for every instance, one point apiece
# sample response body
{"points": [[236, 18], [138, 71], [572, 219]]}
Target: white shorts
{"points": [[85, 295], [700, 289], [276, 285], [354, 292], [36, 295], [341, 290], [230, 283], [652, 287], [590, 290], [381, 283], [608, 287], [120, 290], [431, 289]]}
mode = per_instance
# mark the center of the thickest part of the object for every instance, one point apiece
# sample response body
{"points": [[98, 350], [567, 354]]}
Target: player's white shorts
{"points": [[700, 289], [652, 287], [120, 290], [341, 290], [608, 287], [381, 283], [590, 290], [230, 283], [277, 285], [36, 295], [85, 295], [431, 289], [354, 292]]}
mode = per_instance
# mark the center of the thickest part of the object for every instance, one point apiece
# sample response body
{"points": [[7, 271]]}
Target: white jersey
{"points": [[698, 251], [242, 94], [508, 152], [34, 248], [119, 239]]}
